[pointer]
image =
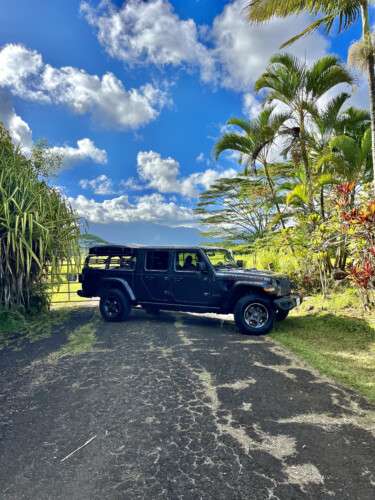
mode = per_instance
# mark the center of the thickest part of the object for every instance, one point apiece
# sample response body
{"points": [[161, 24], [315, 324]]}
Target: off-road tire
{"points": [[248, 309], [281, 314], [114, 305]]}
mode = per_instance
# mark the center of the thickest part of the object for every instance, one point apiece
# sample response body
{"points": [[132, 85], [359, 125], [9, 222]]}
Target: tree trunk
{"points": [[270, 183], [366, 34], [305, 160], [322, 211]]}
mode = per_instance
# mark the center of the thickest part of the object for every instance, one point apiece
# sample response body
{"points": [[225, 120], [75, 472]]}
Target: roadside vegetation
{"points": [[335, 336], [38, 229], [17, 328], [304, 204], [305, 198]]}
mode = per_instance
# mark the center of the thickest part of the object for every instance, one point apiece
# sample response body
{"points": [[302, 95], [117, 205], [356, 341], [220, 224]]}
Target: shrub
{"points": [[38, 229]]}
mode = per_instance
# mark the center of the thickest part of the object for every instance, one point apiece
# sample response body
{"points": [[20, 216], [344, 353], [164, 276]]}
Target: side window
{"points": [[125, 262], [157, 260], [187, 261], [95, 262]]}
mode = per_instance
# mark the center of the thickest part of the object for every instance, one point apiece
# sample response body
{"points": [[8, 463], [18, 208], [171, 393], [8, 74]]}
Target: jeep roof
{"points": [[101, 250]]}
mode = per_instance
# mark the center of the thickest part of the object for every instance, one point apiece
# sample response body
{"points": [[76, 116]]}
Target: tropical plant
{"points": [[254, 143], [298, 88], [358, 226], [334, 13], [348, 158], [295, 154], [234, 210], [38, 229]]}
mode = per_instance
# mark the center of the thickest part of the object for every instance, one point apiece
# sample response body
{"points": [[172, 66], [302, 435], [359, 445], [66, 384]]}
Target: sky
{"points": [[133, 96]]}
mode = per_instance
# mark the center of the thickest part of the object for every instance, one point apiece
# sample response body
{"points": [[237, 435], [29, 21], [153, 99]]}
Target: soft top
{"points": [[106, 250]]}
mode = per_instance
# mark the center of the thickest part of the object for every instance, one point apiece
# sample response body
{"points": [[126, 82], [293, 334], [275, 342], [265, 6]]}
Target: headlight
{"points": [[272, 287]]}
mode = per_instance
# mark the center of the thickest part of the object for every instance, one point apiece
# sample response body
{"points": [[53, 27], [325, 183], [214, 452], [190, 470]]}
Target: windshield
{"points": [[221, 258]]}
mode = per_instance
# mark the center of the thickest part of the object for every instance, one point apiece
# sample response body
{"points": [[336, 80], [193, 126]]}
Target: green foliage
{"points": [[235, 209], [16, 328], [38, 229], [333, 335], [345, 12], [304, 234]]}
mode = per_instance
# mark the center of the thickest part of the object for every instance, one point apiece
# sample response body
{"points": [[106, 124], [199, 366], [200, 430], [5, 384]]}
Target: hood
{"points": [[248, 273]]}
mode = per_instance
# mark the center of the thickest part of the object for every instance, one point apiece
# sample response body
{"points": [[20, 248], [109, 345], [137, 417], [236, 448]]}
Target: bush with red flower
{"points": [[358, 226]]}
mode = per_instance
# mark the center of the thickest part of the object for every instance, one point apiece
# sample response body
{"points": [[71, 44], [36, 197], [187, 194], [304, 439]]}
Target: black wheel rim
{"points": [[256, 315], [111, 306]]}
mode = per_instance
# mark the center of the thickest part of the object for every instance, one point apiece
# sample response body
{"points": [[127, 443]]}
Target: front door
{"points": [[156, 276], [189, 284]]}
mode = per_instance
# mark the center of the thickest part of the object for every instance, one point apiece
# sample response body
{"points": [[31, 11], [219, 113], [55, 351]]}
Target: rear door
{"points": [[189, 284], [156, 276]]}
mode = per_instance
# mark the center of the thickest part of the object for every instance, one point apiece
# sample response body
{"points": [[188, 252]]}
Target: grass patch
{"points": [[16, 328], [80, 340], [335, 336]]}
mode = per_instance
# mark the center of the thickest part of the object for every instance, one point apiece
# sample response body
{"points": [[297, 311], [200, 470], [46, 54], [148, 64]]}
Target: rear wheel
{"points": [[254, 315], [114, 305], [281, 314]]}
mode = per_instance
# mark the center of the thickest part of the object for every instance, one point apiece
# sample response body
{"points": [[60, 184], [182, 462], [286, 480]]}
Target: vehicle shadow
{"points": [[207, 320]]}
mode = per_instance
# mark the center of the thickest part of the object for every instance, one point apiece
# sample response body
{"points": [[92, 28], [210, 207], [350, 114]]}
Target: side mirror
{"points": [[240, 263], [202, 267]]}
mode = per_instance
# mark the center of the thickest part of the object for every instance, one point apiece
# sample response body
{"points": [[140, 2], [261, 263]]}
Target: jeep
{"points": [[191, 279]]}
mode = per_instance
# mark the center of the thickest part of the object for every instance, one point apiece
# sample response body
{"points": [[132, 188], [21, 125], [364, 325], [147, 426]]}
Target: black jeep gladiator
{"points": [[194, 279]]}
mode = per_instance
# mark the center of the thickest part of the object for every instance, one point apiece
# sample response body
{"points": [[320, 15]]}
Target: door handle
{"points": [[178, 280]]}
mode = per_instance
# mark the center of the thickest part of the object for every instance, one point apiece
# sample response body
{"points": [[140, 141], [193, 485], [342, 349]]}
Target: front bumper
{"points": [[289, 302]]}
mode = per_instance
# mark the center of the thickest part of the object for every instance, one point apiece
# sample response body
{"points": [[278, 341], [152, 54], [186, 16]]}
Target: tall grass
{"points": [[38, 230]]}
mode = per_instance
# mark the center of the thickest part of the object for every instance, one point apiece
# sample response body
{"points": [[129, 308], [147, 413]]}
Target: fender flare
{"points": [[257, 286], [123, 283]]}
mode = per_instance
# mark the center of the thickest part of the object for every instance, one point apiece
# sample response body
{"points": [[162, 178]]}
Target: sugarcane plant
{"points": [[38, 230]]}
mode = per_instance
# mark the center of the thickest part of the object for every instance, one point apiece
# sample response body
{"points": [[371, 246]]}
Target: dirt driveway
{"points": [[176, 407]]}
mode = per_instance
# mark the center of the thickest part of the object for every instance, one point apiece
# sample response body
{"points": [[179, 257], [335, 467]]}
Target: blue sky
{"points": [[146, 88]]}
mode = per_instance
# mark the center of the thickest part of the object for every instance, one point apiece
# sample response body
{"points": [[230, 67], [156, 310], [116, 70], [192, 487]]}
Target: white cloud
{"points": [[149, 32], [163, 174], [160, 174], [105, 98], [150, 208], [243, 50], [234, 53], [132, 184], [85, 150], [102, 185], [21, 135], [19, 67], [19, 130], [251, 107]]}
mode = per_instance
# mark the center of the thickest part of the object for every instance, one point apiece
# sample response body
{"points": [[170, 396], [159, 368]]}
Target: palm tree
{"points": [[254, 142], [298, 88], [346, 13], [328, 122], [348, 157]]}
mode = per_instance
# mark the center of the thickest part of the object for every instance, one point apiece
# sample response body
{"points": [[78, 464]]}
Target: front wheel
{"points": [[254, 315], [114, 305]]}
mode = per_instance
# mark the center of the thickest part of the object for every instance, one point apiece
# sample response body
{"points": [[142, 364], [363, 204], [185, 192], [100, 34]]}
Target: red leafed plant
{"points": [[362, 275], [358, 225]]}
